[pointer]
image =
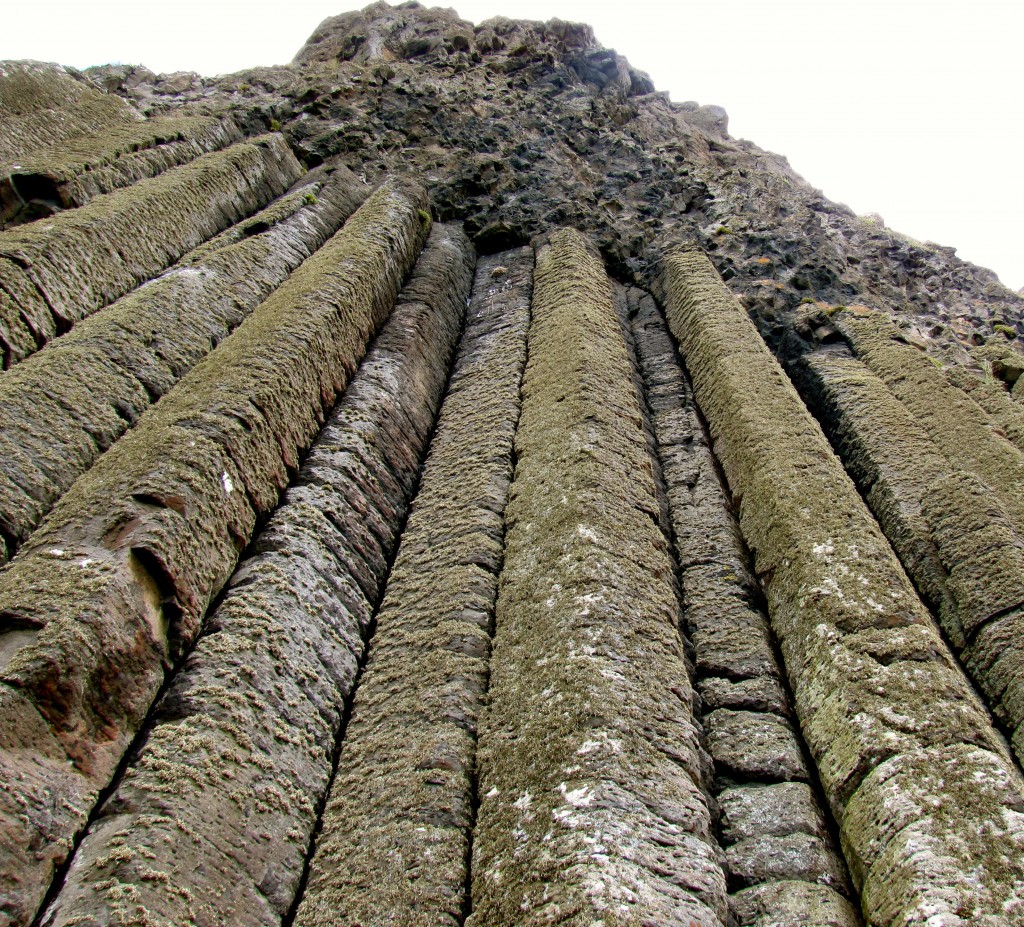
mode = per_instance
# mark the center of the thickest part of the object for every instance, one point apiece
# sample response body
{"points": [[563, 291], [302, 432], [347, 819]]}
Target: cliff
{"points": [[446, 481]]}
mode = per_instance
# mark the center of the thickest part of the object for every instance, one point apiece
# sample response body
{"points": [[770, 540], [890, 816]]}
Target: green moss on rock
{"points": [[119, 576], [856, 639]]}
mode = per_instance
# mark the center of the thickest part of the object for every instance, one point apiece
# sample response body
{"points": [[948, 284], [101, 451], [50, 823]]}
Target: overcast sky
{"points": [[908, 108]]}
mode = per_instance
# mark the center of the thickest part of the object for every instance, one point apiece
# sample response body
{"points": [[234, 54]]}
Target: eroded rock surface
{"points": [[653, 645]]}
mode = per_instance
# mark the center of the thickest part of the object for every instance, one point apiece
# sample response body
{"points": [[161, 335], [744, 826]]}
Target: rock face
{"points": [[444, 481]]}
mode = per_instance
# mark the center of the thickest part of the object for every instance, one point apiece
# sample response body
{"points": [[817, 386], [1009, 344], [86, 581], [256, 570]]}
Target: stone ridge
{"points": [[42, 105], [80, 168], [773, 828], [105, 603], [64, 406], [342, 585], [395, 842], [856, 642], [590, 762], [54, 273], [303, 599]]}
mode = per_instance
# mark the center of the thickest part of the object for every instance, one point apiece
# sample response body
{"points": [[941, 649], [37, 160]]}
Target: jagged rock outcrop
{"points": [[445, 481]]}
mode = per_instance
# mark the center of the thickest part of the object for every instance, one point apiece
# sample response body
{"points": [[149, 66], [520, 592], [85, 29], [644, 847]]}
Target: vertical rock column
{"points": [[926, 797], [952, 532], [212, 821], [394, 848], [589, 755], [67, 403], [780, 861], [116, 581]]}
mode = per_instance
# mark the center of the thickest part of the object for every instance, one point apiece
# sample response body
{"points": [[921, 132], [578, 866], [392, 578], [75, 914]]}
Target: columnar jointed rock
{"points": [[66, 404], [961, 430], [42, 105], [213, 820], [75, 171], [992, 396], [951, 531], [772, 827], [396, 832], [927, 800], [589, 756], [56, 271], [115, 582]]}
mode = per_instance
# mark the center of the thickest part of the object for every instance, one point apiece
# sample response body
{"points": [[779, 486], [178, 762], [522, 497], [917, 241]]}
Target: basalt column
{"points": [[212, 820], [114, 584], [781, 863], [589, 759], [927, 799], [396, 831]]}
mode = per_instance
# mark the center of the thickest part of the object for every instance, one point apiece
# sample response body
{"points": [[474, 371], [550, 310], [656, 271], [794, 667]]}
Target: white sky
{"points": [[913, 109]]}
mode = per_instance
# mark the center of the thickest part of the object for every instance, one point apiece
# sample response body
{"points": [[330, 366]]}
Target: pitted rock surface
{"points": [[668, 569]]}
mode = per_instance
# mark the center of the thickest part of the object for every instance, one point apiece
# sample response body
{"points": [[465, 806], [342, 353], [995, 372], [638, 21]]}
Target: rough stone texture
{"points": [[116, 581], [56, 271], [752, 811], [791, 904], [961, 430], [79, 169], [590, 760], [485, 112], [395, 843], [42, 105], [989, 391], [515, 128], [927, 800], [952, 532], [799, 857], [65, 405], [243, 769], [753, 746], [746, 711]]}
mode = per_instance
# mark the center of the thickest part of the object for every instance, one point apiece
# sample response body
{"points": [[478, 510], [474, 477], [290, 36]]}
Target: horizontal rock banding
{"points": [[58, 270], [772, 827], [118, 577], [927, 800], [66, 404], [590, 762], [82, 168], [213, 820], [395, 841]]}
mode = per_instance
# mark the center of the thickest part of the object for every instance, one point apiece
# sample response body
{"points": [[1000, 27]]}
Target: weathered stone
{"points": [[589, 758], [79, 261], [65, 405], [220, 805], [754, 811], [952, 532], [792, 904], [753, 746], [746, 712], [799, 857], [960, 428], [993, 396], [42, 105], [517, 128], [394, 847], [761, 693], [729, 637], [82, 168], [115, 583], [855, 638]]}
